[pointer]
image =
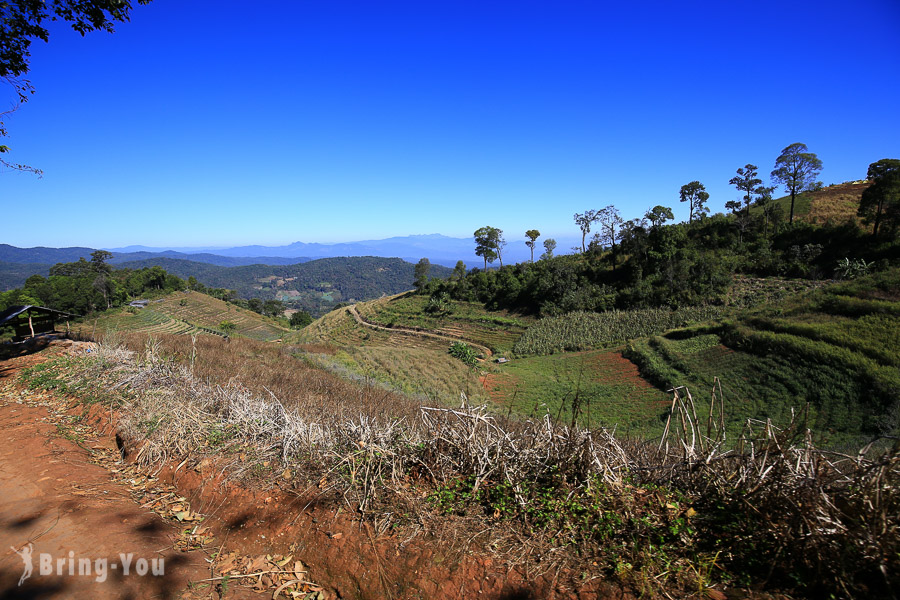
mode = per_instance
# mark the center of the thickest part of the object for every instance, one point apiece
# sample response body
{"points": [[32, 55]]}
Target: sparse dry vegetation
{"points": [[675, 515]]}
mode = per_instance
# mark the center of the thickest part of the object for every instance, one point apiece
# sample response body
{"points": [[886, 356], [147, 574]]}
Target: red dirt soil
{"points": [[612, 367], [499, 386], [58, 502], [55, 498]]}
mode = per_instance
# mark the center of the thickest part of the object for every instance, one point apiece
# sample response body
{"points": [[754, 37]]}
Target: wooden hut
{"points": [[29, 321]]}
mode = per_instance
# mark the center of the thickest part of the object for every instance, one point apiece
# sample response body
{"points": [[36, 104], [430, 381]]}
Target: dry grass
{"points": [[432, 375], [270, 370], [836, 204], [675, 515]]}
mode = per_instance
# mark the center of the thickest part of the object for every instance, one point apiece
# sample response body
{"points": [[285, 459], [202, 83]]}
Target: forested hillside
{"points": [[315, 286], [83, 286], [648, 262]]}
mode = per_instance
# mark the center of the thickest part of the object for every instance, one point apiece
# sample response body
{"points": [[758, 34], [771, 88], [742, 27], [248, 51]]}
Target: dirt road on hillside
{"points": [[416, 332], [57, 505]]}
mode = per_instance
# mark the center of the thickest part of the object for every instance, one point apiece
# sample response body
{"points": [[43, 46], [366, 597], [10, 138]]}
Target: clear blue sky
{"points": [[227, 123]]}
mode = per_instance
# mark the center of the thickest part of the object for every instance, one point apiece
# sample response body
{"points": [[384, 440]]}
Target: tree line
{"points": [[650, 261], [83, 286]]}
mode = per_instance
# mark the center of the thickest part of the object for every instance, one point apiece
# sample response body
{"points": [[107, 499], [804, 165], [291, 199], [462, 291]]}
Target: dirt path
{"points": [[60, 505], [415, 332], [68, 506]]}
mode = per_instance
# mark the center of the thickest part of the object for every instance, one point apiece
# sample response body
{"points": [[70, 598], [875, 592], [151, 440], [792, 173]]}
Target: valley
{"points": [[617, 417]]}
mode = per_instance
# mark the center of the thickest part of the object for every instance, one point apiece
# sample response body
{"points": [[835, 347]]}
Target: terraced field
{"points": [[145, 320], [413, 364], [833, 350], [182, 313], [467, 320], [779, 346], [339, 329], [204, 311]]}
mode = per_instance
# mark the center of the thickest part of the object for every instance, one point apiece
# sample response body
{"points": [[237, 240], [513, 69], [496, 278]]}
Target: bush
{"points": [[439, 304], [464, 352], [300, 319]]}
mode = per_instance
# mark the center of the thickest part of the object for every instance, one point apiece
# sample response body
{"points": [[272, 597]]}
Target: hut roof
{"points": [[14, 311]]}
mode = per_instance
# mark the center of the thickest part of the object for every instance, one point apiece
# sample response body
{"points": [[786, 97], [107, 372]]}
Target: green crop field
{"points": [[584, 331], [596, 388], [834, 350]]}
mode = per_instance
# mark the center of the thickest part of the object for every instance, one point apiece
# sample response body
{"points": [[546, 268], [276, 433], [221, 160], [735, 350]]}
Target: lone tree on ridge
{"points": [[549, 247], [420, 273], [584, 221], [796, 169], [695, 194], [532, 235], [746, 181], [488, 242]]}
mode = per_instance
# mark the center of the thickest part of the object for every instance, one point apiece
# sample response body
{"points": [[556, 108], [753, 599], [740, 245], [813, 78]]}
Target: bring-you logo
{"points": [[70, 565]]}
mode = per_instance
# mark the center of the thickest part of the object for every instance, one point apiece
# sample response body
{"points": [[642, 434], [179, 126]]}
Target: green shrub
{"points": [[857, 307], [464, 352]]}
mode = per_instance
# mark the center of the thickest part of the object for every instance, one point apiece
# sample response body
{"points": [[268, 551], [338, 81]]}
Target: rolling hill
{"points": [[779, 346], [836, 203], [315, 286]]}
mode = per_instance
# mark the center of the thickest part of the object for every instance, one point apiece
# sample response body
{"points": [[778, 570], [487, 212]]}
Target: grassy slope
{"points": [[600, 386], [836, 203], [414, 365]]}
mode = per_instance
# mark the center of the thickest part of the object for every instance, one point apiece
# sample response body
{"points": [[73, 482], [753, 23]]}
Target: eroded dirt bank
{"points": [[55, 502]]}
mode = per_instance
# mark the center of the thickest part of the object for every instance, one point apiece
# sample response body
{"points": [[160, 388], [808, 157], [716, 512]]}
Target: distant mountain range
{"points": [[17, 264], [316, 286], [439, 249], [51, 256]]}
